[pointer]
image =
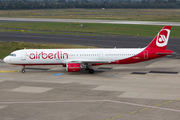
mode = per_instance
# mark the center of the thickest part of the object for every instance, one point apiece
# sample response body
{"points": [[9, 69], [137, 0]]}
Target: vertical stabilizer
{"points": [[161, 39]]}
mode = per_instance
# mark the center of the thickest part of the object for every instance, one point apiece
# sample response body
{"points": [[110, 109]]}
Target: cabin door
{"points": [[145, 54], [23, 55], [100, 55]]}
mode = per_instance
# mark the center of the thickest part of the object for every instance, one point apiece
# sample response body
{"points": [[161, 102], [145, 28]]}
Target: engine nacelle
{"points": [[73, 67]]}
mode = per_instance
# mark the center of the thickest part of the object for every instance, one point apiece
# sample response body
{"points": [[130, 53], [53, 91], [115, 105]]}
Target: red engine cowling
{"points": [[73, 67]]}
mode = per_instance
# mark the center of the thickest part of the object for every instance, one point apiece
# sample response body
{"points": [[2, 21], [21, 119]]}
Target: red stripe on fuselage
{"points": [[151, 54]]}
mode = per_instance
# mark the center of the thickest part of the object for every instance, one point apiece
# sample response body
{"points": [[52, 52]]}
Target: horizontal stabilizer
{"points": [[163, 53]]}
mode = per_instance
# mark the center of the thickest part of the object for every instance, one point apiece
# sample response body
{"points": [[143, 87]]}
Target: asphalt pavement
{"points": [[120, 92]]}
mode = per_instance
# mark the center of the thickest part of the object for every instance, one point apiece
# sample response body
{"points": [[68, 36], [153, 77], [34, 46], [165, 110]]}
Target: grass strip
{"points": [[7, 47], [51, 32], [84, 28]]}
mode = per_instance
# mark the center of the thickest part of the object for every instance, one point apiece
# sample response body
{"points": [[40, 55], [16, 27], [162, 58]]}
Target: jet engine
{"points": [[73, 67]]}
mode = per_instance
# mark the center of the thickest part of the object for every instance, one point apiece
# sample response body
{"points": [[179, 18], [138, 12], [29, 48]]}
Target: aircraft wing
{"points": [[88, 61]]}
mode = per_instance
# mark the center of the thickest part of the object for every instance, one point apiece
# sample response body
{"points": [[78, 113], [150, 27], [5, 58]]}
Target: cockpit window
{"points": [[14, 55]]}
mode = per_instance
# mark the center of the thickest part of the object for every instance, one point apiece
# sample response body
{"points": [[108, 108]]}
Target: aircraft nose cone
{"points": [[5, 60]]}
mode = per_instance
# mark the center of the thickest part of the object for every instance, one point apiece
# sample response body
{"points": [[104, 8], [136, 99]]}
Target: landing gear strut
{"points": [[23, 69]]}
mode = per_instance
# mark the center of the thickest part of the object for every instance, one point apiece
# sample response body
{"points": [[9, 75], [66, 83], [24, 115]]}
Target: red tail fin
{"points": [[161, 39]]}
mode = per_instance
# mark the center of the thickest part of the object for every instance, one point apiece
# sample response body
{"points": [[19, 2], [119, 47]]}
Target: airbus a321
{"points": [[76, 59]]}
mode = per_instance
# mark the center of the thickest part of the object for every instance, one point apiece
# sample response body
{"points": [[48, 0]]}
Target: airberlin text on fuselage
{"points": [[43, 55]]}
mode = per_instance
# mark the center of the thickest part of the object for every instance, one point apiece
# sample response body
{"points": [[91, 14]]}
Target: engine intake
{"points": [[73, 67]]}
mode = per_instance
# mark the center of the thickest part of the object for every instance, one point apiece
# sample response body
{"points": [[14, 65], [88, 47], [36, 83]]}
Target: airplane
{"points": [[76, 59]]}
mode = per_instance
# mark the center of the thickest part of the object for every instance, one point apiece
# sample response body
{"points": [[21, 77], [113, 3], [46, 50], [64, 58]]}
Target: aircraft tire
{"points": [[23, 71], [91, 71]]}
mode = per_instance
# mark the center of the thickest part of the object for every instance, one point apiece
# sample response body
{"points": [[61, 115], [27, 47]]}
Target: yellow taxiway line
{"points": [[9, 71]]}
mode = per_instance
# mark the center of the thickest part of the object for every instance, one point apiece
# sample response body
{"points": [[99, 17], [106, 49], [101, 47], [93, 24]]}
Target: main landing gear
{"points": [[23, 69], [91, 71]]}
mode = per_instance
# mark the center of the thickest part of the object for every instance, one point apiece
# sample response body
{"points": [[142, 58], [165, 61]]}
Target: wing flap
{"points": [[90, 61]]}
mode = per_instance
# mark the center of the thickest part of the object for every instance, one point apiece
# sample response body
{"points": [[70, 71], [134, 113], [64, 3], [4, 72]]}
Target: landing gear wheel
{"points": [[91, 71], [23, 70]]}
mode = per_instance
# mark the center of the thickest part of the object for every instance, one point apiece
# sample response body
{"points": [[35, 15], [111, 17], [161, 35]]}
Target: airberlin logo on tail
{"points": [[43, 55], [162, 38]]}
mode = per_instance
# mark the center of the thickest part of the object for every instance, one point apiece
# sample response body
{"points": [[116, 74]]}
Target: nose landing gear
{"points": [[23, 69]]}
